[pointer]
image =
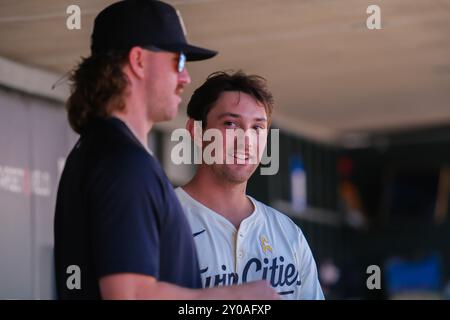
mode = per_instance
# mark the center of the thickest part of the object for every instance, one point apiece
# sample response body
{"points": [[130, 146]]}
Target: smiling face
{"points": [[235, 111]]}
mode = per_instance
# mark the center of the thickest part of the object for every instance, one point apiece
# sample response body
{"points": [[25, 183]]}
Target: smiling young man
{"points": [[238, 238], [120, 232]]}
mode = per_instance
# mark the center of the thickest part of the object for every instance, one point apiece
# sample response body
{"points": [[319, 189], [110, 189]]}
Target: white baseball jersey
{"points": [[268, 245]]}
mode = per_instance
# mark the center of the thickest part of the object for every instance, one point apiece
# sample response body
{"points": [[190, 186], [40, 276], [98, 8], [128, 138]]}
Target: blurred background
{"points": [[364, 119]]}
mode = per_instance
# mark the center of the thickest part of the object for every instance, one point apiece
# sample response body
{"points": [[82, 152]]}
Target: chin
{"points": [[240, 174], [236, 179], [171, 115]]}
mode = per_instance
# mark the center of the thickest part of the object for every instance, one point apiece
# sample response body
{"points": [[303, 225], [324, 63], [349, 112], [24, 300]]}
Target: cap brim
{"points": [[192, 53]]}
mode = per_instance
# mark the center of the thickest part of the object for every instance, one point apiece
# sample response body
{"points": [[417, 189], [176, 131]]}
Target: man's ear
{"points": [[136, 62], [195, 130]]}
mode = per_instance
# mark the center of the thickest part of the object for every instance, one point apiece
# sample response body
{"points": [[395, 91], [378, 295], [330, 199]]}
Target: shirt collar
{"points": [[122, 126]]}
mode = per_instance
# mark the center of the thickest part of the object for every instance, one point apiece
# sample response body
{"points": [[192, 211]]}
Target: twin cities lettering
{"points": [[274, 270]]}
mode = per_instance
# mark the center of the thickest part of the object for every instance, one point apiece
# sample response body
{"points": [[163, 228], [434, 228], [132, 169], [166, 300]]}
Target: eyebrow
{"points": [[235, 115]]}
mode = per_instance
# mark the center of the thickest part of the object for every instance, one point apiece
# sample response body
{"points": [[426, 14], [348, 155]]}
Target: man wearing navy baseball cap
{"points": [[120, 232]]}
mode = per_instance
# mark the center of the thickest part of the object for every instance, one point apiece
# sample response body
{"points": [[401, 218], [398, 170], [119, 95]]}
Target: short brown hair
{"points": [[207, 94], [97, 87]]}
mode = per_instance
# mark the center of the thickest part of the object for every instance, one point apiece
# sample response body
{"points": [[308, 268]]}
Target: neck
{"points": [[227, 199], [135, 117]]}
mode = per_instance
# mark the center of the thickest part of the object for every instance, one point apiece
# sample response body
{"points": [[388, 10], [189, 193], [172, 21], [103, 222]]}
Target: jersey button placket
{"points": [[239, 252]]}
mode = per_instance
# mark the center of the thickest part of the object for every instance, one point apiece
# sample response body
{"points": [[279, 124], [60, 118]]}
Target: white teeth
{"points": [[241, 156]]}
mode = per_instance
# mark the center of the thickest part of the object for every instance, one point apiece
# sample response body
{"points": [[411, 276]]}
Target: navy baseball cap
{"points": [[144, 23]]}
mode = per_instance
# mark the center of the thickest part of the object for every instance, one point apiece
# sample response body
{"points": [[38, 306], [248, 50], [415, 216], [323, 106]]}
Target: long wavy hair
{"points": [[97, 88]]}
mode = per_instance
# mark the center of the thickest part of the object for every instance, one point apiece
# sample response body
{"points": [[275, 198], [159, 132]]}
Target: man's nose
{"points": [[184, 77], [246, 142]]}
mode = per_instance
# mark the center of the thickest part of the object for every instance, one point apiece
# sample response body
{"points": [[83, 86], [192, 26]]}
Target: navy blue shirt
{"points": [[116, 212]]}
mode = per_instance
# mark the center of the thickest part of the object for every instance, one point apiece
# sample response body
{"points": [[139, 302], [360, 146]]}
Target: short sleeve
{"points": [[310, 287]]}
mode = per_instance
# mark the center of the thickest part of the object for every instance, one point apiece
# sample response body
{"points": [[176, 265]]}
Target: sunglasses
{"points": [[181, 57], [181, 62]]}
